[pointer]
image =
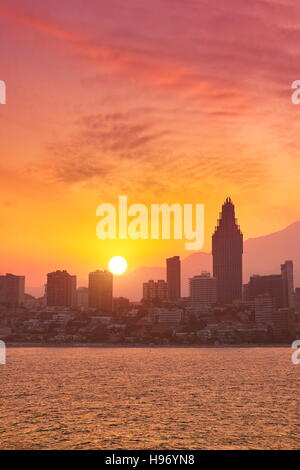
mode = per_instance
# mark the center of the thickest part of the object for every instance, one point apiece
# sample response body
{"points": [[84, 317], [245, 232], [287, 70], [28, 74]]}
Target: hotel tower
{"points": [[227, 251]]}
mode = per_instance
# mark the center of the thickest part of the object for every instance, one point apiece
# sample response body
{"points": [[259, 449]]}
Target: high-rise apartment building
{"points": [[12, 289], [173, 277], [101, 291], [203, 292], [287, 273], [61, 289], [155, 290], [278, 286], [271, 284], [227, 251]]}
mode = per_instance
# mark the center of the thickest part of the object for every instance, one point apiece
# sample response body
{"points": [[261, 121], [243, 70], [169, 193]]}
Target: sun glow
{"points": [[117, 265]]}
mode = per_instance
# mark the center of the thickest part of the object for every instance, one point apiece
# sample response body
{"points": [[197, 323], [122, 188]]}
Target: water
{"points": [[162, 398]]}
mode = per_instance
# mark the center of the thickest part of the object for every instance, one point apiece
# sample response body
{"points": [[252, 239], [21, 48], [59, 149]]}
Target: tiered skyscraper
{"points": [[227, 250]]}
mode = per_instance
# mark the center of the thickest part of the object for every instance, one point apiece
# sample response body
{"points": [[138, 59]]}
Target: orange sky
{"points": [[163, 101]]}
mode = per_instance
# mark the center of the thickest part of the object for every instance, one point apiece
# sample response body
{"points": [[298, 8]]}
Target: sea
{"points": [[149, 398]]}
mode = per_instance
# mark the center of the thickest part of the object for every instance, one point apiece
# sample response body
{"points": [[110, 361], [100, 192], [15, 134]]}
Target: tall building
{"points": [[203, 292], [101, 291], [173, 278], [227, 251], [12, 289], [288, 275], [61, 289], [155, 290]]}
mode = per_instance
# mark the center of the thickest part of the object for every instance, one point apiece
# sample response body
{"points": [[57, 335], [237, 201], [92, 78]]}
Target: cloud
{"points": [[98, 145]]}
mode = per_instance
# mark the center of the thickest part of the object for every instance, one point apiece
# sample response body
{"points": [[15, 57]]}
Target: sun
{"points": [[117, 265]]}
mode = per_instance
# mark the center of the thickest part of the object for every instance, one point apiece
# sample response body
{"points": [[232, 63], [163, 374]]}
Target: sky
{"points": [[165, 101]]}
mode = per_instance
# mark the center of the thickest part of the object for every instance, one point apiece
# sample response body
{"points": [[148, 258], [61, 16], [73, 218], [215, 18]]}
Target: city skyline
{"points": [[227, 241]]}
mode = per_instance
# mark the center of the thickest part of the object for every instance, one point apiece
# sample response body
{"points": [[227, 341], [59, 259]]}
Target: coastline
{"points": [[145, 345]]}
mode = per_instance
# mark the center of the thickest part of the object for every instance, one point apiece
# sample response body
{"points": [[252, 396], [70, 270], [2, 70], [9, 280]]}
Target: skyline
{"points": [[224, 222], [162, 102]]}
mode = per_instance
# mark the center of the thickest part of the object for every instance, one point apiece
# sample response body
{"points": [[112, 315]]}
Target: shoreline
{"points": [[149, 346]]}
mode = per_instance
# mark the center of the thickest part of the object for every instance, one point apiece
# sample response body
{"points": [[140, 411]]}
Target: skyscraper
{"points": [[227, 250], [61, 289], [101, 291], [173, 278]]}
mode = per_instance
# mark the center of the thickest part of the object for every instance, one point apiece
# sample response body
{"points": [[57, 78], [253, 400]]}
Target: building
{"points": [[265, 306], [101, 291], [173, 277], [278, 286], [297, 300], [164, 315], [169, 316], [82, 297], [61, 289], [203, 292], [287, 273], [155, 290], [121, 305], [284, 324], [271, 284], [227, 251], [280, 320], [12, 290]]}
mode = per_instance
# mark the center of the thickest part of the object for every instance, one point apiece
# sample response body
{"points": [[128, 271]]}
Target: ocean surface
{"points": [[149, 398]]}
